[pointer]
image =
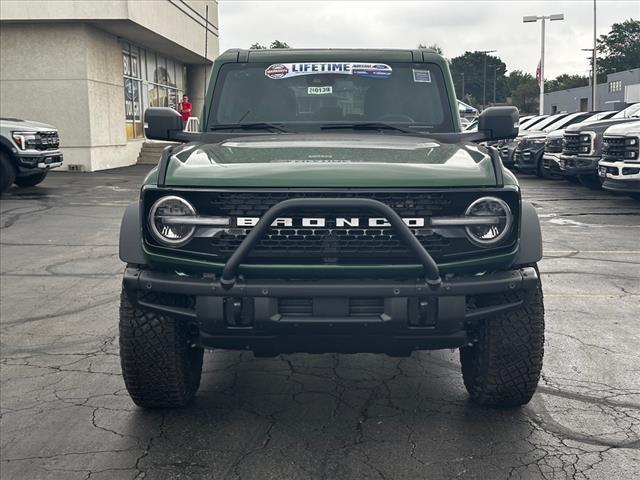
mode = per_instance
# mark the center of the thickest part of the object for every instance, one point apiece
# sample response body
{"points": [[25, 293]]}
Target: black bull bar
{"points": [[432, 274], [210, 292]]}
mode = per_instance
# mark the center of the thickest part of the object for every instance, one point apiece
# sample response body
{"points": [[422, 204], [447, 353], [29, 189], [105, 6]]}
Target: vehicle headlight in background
{"points": [[166, 221], [25, 140], [493, 232]]}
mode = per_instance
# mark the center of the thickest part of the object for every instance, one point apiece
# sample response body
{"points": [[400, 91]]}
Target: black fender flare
{"points": [[130, 249], [530, 248]]}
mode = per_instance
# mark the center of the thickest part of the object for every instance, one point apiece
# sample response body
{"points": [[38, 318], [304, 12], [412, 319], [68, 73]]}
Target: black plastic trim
{"points": [[530, 248], [130, 248], [164, 165], [496, 161]]}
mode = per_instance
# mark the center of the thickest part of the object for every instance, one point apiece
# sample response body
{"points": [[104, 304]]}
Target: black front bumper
{"points": [[278, 316], [577, 165], [527, 160], [31, 162]]}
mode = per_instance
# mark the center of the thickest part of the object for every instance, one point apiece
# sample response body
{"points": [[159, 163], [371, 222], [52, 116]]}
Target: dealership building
{"points": [[91, 67], [620, 89]]}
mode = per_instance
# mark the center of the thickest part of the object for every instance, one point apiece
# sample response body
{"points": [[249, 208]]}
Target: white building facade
{"points": [[91, 67]]}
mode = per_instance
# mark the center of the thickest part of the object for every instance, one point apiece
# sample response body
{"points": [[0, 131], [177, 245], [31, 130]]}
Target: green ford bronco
{"points": [[331, 203]]}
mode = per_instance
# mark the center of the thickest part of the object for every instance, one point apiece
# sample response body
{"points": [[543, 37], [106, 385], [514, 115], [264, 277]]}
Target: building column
{"points": [[196, 74]]}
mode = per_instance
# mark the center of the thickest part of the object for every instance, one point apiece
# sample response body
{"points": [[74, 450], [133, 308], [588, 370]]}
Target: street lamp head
{"points": [[529, 19], [557, 16]]}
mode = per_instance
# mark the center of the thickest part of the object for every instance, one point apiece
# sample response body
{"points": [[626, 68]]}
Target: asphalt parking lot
{"points": [[66, 415]]}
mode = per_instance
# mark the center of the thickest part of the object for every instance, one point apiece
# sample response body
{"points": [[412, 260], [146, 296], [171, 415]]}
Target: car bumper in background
{"points": [[576, 165], [621, 177], [32, 161]]}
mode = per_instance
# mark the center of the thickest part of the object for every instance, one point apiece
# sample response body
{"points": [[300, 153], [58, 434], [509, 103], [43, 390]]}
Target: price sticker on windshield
{"points": [[421, 76], [327, 90]]}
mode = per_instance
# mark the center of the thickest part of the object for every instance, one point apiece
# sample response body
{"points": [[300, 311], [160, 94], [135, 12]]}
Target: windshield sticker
{"points": [[320, 90], [422, 76], [288, 70]]}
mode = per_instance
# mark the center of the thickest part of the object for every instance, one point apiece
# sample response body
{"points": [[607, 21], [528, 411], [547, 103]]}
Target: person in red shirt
{"points": [[185, 108]]}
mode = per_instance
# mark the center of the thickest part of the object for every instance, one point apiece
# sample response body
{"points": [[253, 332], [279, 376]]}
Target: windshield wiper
{"points": [[364, 126], [250, 126]]}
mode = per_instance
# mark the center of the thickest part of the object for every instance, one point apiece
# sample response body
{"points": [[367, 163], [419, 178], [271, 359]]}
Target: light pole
{"points": [[594, 81], [593, 75], [534, 18], [484, 77], [495, 74]]}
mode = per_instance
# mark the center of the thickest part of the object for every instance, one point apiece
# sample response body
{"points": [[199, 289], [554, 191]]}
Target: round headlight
{"points": [[165, 219], [493, 231]]}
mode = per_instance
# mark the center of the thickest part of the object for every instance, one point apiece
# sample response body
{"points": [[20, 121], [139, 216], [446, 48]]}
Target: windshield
{"points": [[569, 120], [532, 121], [632, 111], [308, 96], [547, 121], [599, 116]]}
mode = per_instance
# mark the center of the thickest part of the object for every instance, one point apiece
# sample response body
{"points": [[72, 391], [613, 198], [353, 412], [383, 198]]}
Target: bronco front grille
{"points": [[331, 243]]}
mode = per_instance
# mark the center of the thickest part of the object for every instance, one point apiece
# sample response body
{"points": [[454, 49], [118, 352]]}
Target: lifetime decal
{"points": [[288, 70]]}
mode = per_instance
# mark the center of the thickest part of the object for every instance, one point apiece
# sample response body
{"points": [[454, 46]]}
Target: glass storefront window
{"points": [[151, 66], [150, 80]]}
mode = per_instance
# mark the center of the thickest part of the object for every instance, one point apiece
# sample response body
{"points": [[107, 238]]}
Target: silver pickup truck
{"points": [[28, 150]]}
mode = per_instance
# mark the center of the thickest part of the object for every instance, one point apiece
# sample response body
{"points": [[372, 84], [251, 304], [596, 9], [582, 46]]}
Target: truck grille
{"points": [[575, 144], [47, 141], [619, 148], [553, 145], [331, 244]]}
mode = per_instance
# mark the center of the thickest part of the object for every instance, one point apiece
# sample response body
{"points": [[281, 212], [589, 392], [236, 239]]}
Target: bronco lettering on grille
{"points": [[340, 222]]}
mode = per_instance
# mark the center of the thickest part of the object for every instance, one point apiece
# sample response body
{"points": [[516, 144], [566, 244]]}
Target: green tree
{"points": [[274, 44], [434, 46], [619, 49], [470, 66], [565, 81], [525, 91], [279, 44]]}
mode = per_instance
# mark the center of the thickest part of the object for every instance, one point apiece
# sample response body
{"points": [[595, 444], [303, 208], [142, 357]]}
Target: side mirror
{"points": [[497, 123], [162, 123]]}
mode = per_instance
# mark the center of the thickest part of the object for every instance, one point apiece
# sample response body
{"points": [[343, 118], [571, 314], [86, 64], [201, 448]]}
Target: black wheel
{"points": [[503, 366], [594, 182], [31, 180], [7, 172], [160, 366]]}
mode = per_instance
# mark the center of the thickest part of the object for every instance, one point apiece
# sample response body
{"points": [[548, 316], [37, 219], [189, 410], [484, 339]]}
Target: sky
{"points": [[456, 26]]}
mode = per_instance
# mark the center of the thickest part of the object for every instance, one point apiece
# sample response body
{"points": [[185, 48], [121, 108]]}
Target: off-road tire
{"points": [[503, 367], [161, 368], [31, 180], [7, 172], [594, 182]]}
